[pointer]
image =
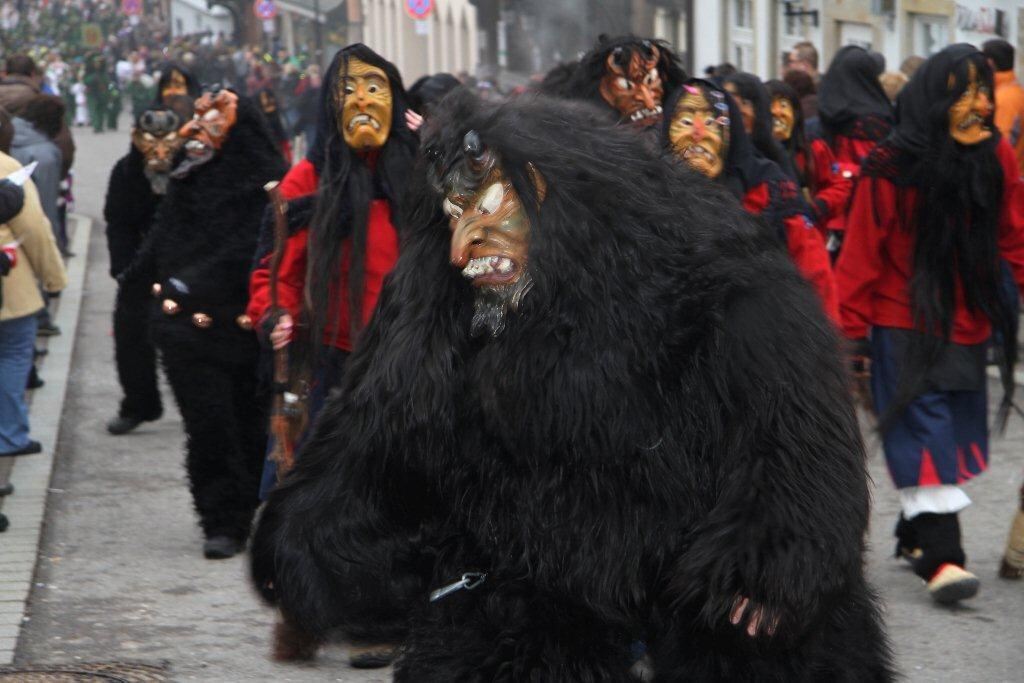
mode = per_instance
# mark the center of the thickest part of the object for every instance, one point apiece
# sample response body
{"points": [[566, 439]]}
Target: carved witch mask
{"points": [[970, 117], [365, 103], [699, 131]]}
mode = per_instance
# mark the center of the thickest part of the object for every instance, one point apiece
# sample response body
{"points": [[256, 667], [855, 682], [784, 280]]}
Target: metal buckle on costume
{"points": [[170, 307], [201, 320], [469, 581], [157, 290], [245, 322]]}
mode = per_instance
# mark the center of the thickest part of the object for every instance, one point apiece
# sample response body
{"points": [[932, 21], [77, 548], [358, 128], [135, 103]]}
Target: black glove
{"points": [[12, 198], [5, 263]]}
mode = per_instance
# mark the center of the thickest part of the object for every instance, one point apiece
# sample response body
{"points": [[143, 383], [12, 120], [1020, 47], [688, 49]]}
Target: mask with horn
{"points": [[490, 231]]}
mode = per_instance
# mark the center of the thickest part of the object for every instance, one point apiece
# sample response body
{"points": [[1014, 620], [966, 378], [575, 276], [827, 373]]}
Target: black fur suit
{"points": [[661, 428], [200, 251], [129, 209]]}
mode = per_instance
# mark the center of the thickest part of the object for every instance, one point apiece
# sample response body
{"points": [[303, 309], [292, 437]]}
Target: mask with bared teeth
{"points": [[364, 98], [490, 232], [970, 117], [215, 115], [633, 85], [699, 130]]}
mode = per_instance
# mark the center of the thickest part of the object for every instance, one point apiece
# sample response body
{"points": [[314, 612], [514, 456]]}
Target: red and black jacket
{"points": [[381, 254]]}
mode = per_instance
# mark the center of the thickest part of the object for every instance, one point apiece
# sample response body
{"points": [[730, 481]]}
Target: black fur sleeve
{"points": [[128, 211], [786, 530], [142, 263], [347, 539], [329, 549]]}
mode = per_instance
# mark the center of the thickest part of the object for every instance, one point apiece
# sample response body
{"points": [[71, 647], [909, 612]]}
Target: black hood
{"points": [[328, 140], [922, 108], [745, 166], [922, 115], [194, 89], [850, 91], [752, 89]]}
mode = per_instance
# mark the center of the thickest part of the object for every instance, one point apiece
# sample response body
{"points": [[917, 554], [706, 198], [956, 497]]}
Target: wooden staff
{"points": [[286, 414]]}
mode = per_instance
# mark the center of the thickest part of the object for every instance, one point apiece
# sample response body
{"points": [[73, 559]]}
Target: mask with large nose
{"points": [[633, 85], [490, 233], [215, 115], [365, 99], [970, 117], [699, 131]]}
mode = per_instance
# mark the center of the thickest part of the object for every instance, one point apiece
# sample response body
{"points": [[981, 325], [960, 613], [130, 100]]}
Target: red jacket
{"points": [[806, 247], [832, 184], [381, 254], [875, 265], [848, 153]]}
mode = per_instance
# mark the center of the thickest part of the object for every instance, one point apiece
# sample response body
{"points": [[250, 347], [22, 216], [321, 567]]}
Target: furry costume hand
{"points": [[783, 535]]}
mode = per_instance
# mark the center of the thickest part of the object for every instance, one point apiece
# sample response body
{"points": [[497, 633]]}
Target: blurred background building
{"points": [[754, 34], [508, 40]]}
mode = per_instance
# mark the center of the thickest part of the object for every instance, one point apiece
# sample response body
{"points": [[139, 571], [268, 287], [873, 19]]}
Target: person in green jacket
{"points": [[140, 93], [115, 103], [97, 82]]}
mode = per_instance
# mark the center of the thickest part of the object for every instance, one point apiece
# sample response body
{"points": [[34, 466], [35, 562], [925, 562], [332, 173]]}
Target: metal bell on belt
{"points": [[171, 307], [201, 320]]}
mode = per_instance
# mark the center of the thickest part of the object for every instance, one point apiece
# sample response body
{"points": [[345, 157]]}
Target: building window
{"points": [[743, 14], [741, 34], [791, 30], [931, 34], [743, 56]]}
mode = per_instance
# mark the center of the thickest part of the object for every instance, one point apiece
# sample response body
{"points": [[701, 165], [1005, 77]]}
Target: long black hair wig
{"points": [[349, 181]]}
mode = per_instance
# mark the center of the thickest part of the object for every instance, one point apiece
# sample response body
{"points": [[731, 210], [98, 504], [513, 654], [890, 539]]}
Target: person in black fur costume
{"points": [[137, 184], [596, 431], [199, 253]]}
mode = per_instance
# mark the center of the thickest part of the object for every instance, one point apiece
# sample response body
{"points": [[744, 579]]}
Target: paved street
{"points": [[120, 575]]}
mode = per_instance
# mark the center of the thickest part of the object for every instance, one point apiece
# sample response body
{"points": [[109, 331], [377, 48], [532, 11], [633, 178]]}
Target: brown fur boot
{"points": [[292, 644]]}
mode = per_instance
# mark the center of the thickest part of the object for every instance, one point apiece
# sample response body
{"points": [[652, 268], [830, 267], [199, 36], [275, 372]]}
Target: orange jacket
{"points": [[1010, 113]]}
